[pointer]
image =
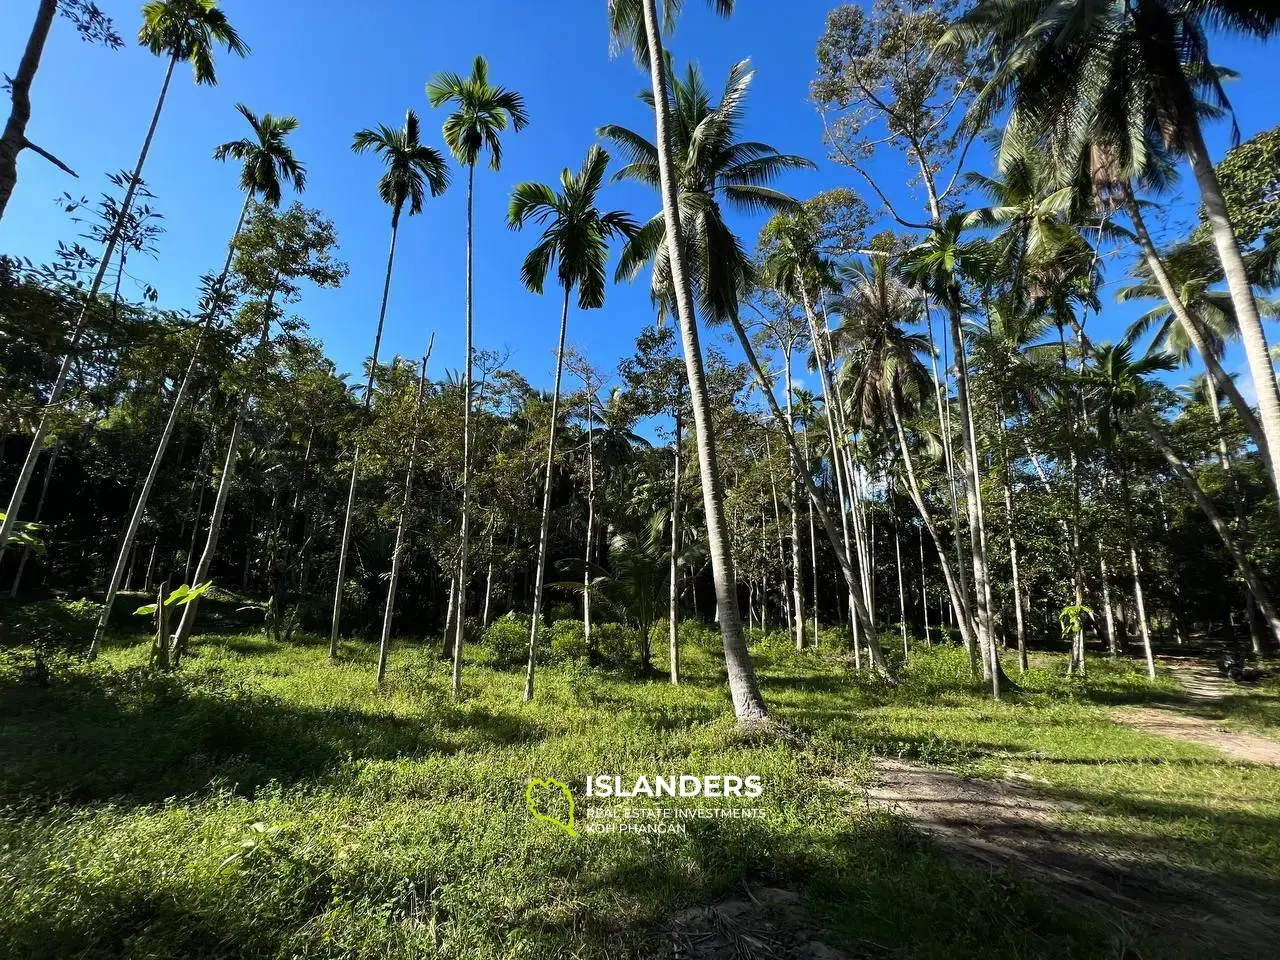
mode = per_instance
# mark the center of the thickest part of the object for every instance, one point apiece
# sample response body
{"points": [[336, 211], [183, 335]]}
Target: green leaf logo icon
{"points": [[535, 796]]}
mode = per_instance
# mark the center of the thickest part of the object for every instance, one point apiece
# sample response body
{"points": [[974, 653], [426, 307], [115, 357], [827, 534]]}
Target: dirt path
{"points": [[1203, 687], [1002, 824]]}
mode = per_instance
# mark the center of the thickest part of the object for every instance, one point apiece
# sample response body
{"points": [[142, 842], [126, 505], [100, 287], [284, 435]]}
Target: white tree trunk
{"points": [[397, 553], [544, 533]]}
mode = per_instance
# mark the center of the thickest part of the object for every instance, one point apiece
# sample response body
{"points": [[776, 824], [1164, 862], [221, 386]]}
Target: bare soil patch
{"points": [[1001, 825], [1203, 686], [763, 924]]}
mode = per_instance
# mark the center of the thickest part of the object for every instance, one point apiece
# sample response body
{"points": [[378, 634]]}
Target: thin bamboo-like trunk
{"points": [[336, 623], [175, 411], [44, 493], [73, 343], [464, 538], [673, 588], [397, 553], [544, 533]]}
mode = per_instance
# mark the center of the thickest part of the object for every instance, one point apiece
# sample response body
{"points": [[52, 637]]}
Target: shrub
{"points": [[562, 610], [695, 633], [619, 644], [50, 626], [568, 640], [506, 642]]}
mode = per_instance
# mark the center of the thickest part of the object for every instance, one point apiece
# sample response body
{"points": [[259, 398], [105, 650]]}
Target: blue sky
{"points": [[340, 66]]}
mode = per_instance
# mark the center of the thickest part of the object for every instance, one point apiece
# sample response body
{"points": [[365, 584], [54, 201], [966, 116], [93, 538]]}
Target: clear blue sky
{"points": [[340, 66]]}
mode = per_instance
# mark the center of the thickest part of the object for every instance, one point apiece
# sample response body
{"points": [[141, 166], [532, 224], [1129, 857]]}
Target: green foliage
{"points": [[568, 639], [618, 644], [1250, 179], [506, 641], [179, 597], [53, 625]]}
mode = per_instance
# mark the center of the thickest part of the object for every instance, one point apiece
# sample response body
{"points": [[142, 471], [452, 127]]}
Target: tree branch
{"points": [[27, 144]]}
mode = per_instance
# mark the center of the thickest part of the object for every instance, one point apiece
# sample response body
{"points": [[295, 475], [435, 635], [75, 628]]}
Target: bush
{"points": [[563, 610], [568, 640], [50, 626], [506, 642], [695, 633], [619, 644]]}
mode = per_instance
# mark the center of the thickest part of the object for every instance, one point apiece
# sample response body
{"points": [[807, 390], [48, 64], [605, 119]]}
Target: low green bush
{"points": [[568, 640], [506, 641], [53, 626], [618, 644]]}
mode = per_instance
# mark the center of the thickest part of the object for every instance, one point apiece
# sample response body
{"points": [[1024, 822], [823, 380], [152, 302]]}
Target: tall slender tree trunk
{"points": [[902, 596], [15, 140], [488, 577], [175, 411], [73, 343], [748, 702], [858, 613], [355, 456], [544, 532], [797, 577], [1142, 609], [964, 624], [924, 591], [464, 537], [973, 501], [188, 621], [44, 493], [1252, 334], [397, 553], [1014, 573], [1108, 613], [591, 511], [673, 587]]}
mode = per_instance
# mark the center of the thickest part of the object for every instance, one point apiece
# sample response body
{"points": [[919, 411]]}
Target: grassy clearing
{"points": [[265, 803]]}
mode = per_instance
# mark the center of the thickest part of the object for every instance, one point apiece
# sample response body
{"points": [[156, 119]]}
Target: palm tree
{"points": [[266, 161], [483, 112], [635, 23], [1130, 79], [180, 30], [413, 169], [936, 266], [1118, 385], [576, 235]]}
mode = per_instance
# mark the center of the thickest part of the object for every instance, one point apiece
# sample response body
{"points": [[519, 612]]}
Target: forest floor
{"points": [[265, 803]]}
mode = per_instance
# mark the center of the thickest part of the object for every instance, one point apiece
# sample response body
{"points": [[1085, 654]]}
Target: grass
{"points": [[265, 803]]}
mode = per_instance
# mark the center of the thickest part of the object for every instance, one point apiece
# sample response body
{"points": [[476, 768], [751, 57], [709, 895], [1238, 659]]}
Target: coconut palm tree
{"points": [[267, 162], [413, 169], [635, 23], [483, 112], [1116, 383], [937, 266], [575, 241], [178, 30], [1129, 79]]}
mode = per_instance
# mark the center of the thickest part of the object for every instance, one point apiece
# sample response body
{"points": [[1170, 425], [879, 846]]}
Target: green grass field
{"points": [[265, 803]]}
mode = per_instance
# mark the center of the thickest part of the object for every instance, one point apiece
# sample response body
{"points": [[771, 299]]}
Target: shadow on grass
{"points": [[139, 737]]}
